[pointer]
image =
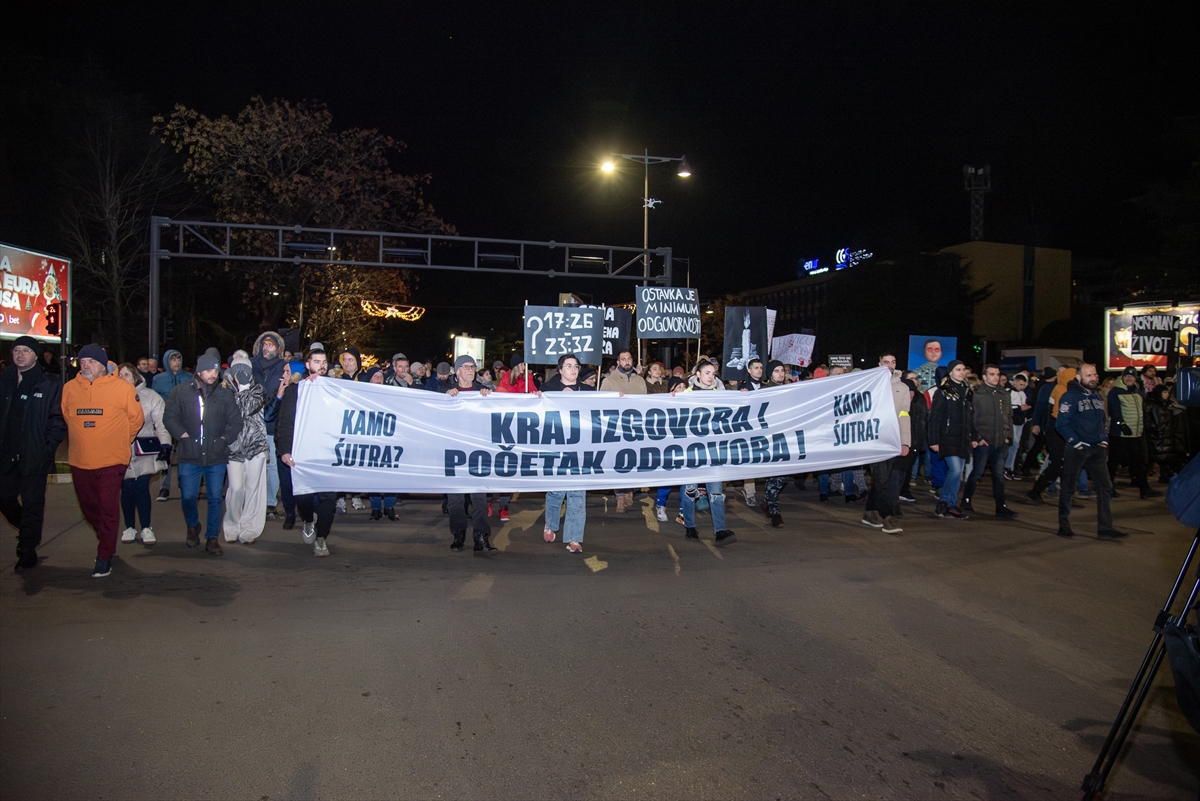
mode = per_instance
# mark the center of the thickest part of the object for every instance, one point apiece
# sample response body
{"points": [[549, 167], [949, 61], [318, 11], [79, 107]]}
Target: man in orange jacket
{"points": [[103, 417]]}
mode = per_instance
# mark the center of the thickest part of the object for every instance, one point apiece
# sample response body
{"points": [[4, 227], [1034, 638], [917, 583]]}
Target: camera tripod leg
{"points": [[1093, 783]]}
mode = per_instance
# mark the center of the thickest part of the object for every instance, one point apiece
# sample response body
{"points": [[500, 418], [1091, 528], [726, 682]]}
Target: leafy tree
{"points": [[281, 163]]}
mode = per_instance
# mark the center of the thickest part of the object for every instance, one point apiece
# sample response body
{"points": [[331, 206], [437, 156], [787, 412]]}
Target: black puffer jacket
{"points": [[209, 437], [950, 420], [918, 413], [42, 424]]}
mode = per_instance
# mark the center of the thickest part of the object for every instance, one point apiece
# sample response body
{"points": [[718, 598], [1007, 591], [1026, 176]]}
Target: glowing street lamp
{"points": [[645, 159]]}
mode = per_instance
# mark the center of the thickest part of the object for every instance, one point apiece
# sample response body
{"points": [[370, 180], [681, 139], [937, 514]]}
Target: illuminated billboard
{"points": [[1138, 342], [30, 283]]}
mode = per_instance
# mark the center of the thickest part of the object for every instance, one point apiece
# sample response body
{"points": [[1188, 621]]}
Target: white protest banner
{"points": [[355, 437], [771, 315], [793, 348]]}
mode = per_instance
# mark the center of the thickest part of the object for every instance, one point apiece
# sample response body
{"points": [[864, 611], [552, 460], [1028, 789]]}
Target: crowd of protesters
{"points": [[229, 425]]}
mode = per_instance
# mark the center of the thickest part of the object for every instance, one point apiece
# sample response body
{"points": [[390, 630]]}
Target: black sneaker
{"points": [[1147, 493], [940, 509], [691, 534], [725, 537], [26, 561], [966, 505], [460, 538], [164, 494], [376, 514], [823, 498], [777, 520], [907, 498], [390, 514], [851, 499], [955, 513], [1004, 513], [1064, 530], [1112, 534], [1033, 498], [289, 522], [103, 568]]}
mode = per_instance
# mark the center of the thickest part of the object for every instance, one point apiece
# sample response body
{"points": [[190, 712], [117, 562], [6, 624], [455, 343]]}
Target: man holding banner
{"points": [[456, 503], [315, 532]]}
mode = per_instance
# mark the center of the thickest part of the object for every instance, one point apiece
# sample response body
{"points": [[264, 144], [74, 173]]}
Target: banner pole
{"points": [[525, 355]]}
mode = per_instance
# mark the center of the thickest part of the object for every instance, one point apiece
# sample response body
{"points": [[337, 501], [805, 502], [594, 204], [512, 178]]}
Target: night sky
{"points": [[808, 127]]}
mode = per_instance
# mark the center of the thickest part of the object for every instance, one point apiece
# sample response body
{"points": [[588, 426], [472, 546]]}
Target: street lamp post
{"points": [[645, 159]]}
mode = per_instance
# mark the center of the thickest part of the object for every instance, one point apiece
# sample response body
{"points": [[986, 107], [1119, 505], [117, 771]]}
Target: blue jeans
{"points": [[664, 493], [1011, 461], [847, 483], [716, 505], [272, 473], [954, 470], [576, 517], [190, 474], [382, 501], [937, 476], [985, 456]]}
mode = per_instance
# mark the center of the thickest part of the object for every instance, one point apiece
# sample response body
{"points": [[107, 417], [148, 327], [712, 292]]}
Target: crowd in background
{"points": [[139, 431]]}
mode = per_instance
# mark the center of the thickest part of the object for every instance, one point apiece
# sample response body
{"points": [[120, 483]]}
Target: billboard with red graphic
{"points": [[33, 288]]}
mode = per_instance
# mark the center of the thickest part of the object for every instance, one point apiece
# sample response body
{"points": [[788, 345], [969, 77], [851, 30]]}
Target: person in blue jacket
{"points": [[163, 383], [1082, 425]]}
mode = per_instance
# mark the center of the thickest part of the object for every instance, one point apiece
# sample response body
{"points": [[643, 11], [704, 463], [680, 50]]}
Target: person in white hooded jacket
{"points": [[143, 466]]}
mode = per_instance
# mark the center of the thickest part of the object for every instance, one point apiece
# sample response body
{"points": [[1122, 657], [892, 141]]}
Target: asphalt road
{"points": [[962, 659]]}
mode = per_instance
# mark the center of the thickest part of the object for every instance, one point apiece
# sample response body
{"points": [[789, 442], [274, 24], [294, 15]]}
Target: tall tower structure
{"points": [[977, 181]]}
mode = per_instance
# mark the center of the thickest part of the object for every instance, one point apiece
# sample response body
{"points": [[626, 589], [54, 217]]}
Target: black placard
{"points": [[1153, 334], [551, 331], [668, 312]]}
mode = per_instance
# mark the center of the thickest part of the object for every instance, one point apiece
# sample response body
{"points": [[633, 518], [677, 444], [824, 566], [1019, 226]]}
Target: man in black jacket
{"points": [[316, 531], [204, 418], [464, 381], [31, 427], [991, 418]]}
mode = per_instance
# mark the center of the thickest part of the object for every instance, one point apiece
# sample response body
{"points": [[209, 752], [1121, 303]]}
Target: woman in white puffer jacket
{"points": [[135, 489]]}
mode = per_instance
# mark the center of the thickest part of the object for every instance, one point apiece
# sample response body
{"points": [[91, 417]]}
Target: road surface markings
{"points": [[595, 563], [675, 556], [713, 548]]}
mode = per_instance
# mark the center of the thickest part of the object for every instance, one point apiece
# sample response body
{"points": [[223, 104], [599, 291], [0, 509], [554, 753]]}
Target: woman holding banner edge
{"points": [[567, 380], [705, 379]]}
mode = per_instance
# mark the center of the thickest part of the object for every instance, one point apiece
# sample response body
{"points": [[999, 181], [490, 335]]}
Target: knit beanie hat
{"points": [[211, 360], [93, 351]]}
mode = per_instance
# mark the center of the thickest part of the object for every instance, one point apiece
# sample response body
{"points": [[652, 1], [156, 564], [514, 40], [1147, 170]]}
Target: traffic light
{"points": [[52, 319]]}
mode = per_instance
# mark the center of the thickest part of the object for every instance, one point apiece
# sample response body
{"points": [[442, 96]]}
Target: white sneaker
{"points": [[341, 506], [320, 549], [357, 502], [148, 536], [310, 532], [661, 513], [751, 500], [129, 535]]}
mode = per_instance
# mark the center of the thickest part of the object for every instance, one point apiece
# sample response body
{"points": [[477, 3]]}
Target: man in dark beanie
{"points": [[103, 416], [204, 417], [31, 427]]}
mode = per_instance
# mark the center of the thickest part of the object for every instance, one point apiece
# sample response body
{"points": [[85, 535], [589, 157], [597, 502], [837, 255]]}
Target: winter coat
{"points": [[1081, 416], [506, 384], [659, 388], [268, 372], [1041, 406], [212, 423], [616, 381], [1126, 408], [251, 401], [152, 426], [166, 381], [1065, 378], [103, 417], [1164, 425], [693, 384], [950, 420], [901, 402], [918, 413], [42, 423], [991, 409], [555, 384]]}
